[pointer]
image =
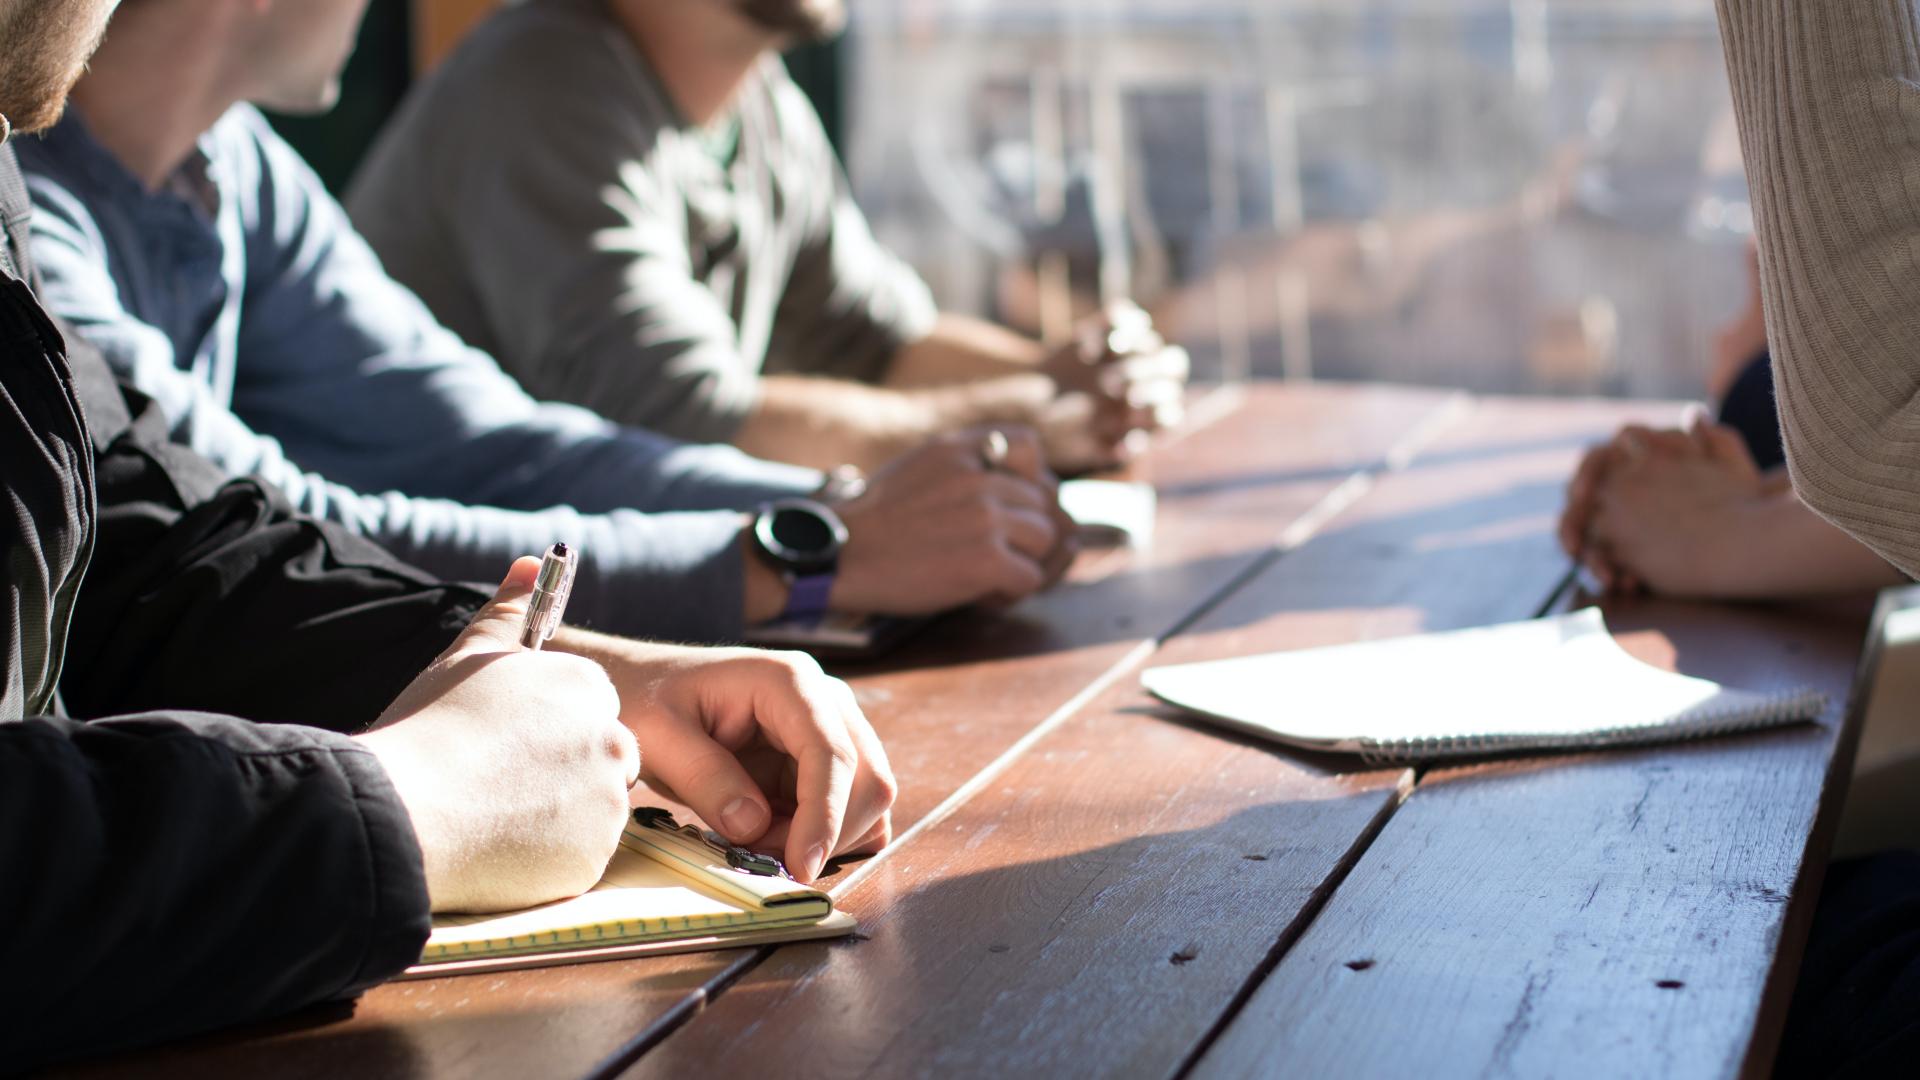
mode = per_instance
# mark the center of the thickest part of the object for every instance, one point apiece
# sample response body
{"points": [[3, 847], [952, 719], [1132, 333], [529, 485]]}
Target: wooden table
{"points": [[1088, 884]]}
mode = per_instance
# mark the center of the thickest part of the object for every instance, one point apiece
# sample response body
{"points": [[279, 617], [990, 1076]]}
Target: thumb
{"points": [[709, 778], [497, 627]]}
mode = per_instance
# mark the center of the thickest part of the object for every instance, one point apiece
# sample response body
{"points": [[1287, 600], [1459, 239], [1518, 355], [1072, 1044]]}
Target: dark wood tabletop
{"points": [[1087, 883]]}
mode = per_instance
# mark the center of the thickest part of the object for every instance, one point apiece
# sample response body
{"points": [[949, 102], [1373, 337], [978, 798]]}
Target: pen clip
{"points": [[739, 858]]}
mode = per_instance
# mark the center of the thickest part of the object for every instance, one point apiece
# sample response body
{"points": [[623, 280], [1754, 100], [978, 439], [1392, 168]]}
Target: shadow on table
{"points": [[1316, 762], [432, 1029], [1027, 951], [1111, 960]]}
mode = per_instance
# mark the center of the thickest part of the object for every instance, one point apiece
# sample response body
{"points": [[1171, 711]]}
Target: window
{"points": [[1504, 195]]}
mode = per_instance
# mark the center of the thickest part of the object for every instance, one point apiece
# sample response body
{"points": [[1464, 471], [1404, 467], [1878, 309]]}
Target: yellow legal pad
{"points": [[665, 890]]}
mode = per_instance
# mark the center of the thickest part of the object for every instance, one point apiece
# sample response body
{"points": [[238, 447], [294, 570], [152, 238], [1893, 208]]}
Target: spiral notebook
{"points": [[1558, 683], [668, 888]]}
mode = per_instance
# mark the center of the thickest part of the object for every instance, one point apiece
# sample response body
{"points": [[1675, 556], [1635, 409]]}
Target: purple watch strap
{"points": [[807, 598]]}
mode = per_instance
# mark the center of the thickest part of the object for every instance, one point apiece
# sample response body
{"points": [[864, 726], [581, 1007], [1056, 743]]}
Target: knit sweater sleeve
{"points": [[1827, 93]]}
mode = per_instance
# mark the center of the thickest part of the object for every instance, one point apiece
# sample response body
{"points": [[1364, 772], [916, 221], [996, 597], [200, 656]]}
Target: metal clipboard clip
{"points": [[739, 858]]}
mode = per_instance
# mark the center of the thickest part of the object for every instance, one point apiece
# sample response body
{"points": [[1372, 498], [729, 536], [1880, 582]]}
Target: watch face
{"points": [[801, 535]]}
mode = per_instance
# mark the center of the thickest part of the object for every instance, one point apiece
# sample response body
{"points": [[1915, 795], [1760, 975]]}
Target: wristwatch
{"points": [[801, 538]]}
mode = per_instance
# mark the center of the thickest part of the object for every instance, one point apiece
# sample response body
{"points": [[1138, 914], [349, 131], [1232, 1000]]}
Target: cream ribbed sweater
{"points": [[1828, 97]]}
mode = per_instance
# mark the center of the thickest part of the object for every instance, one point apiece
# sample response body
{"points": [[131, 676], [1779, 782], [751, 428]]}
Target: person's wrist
{"points": [[765, 589], [414, 786]]}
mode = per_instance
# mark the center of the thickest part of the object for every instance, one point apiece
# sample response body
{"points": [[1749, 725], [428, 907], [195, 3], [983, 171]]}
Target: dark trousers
{"points": [[1749, 409], [1856, 1010]]}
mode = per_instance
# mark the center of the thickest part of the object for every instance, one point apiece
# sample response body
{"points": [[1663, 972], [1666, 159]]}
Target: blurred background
{"points": [[1523, 196]]}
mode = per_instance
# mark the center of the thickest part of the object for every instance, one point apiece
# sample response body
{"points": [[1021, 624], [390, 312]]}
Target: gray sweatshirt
{"points": [[548, 201], [1827, 93]]}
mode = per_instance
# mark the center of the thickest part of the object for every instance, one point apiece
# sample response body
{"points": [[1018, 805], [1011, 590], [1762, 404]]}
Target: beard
{"points": [[801, 21], [43, 50]]}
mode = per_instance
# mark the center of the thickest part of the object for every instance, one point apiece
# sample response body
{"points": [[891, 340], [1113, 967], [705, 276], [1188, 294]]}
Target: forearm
{"points": [[1825, 98], [719, 588], [1786, 551], [962, 349], [464, 431], [825, 423]]}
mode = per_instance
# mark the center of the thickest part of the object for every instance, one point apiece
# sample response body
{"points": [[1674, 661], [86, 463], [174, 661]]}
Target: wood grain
{"points": [[1102, 903], [948, 705], [1610, 914], [951, 702]]}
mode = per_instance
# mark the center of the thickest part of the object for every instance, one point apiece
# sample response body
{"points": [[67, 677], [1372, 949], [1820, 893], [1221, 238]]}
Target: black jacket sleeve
{"points": [[161, 875], [210, 594]]}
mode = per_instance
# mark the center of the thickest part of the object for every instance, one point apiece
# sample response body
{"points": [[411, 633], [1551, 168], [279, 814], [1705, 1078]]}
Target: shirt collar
{"points": [[191, 185]]}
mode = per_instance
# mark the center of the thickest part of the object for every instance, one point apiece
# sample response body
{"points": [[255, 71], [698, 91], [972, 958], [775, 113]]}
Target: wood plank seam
{"points": [[1752, 1053], [1308, 913], [689, 1007], [1451, 412], [1560, 595]]}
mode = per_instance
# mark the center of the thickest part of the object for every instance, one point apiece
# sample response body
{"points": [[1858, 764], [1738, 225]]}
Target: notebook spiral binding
{"points": [[1700, 722]]}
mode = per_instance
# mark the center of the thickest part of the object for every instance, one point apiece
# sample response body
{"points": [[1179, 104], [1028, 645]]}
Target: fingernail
{"points": [[742, 818], [816, 862]]}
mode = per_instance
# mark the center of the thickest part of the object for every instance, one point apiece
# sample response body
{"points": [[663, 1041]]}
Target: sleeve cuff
{"points": [[402, 912]]}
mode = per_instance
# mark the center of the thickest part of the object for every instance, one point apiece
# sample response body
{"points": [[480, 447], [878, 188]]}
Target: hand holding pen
{"points": [[763, 746], [513, 764]]}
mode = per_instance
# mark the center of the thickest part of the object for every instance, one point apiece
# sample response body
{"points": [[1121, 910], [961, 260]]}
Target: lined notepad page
{"points": [[1560, 682], [640, 898]]}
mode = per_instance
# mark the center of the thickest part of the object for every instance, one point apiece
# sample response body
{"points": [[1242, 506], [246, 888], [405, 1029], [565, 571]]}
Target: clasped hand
{"points": [[1660, 510], [1118, 379], [941, 528]]}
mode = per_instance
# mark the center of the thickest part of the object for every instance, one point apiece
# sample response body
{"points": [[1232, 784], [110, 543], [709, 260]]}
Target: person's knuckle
{"points": [[984, 520], [576, 670], [800, 666], [1055, 525], [885, 786], [840, 748], [786, 672], [617, 745], [841, 689], [973, 485]]}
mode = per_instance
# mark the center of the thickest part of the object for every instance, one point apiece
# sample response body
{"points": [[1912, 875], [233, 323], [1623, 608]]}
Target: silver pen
{"points": [[549, 600]]}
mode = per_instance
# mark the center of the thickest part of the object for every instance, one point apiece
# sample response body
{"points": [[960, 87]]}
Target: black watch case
{"points": [[800, 536]]}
